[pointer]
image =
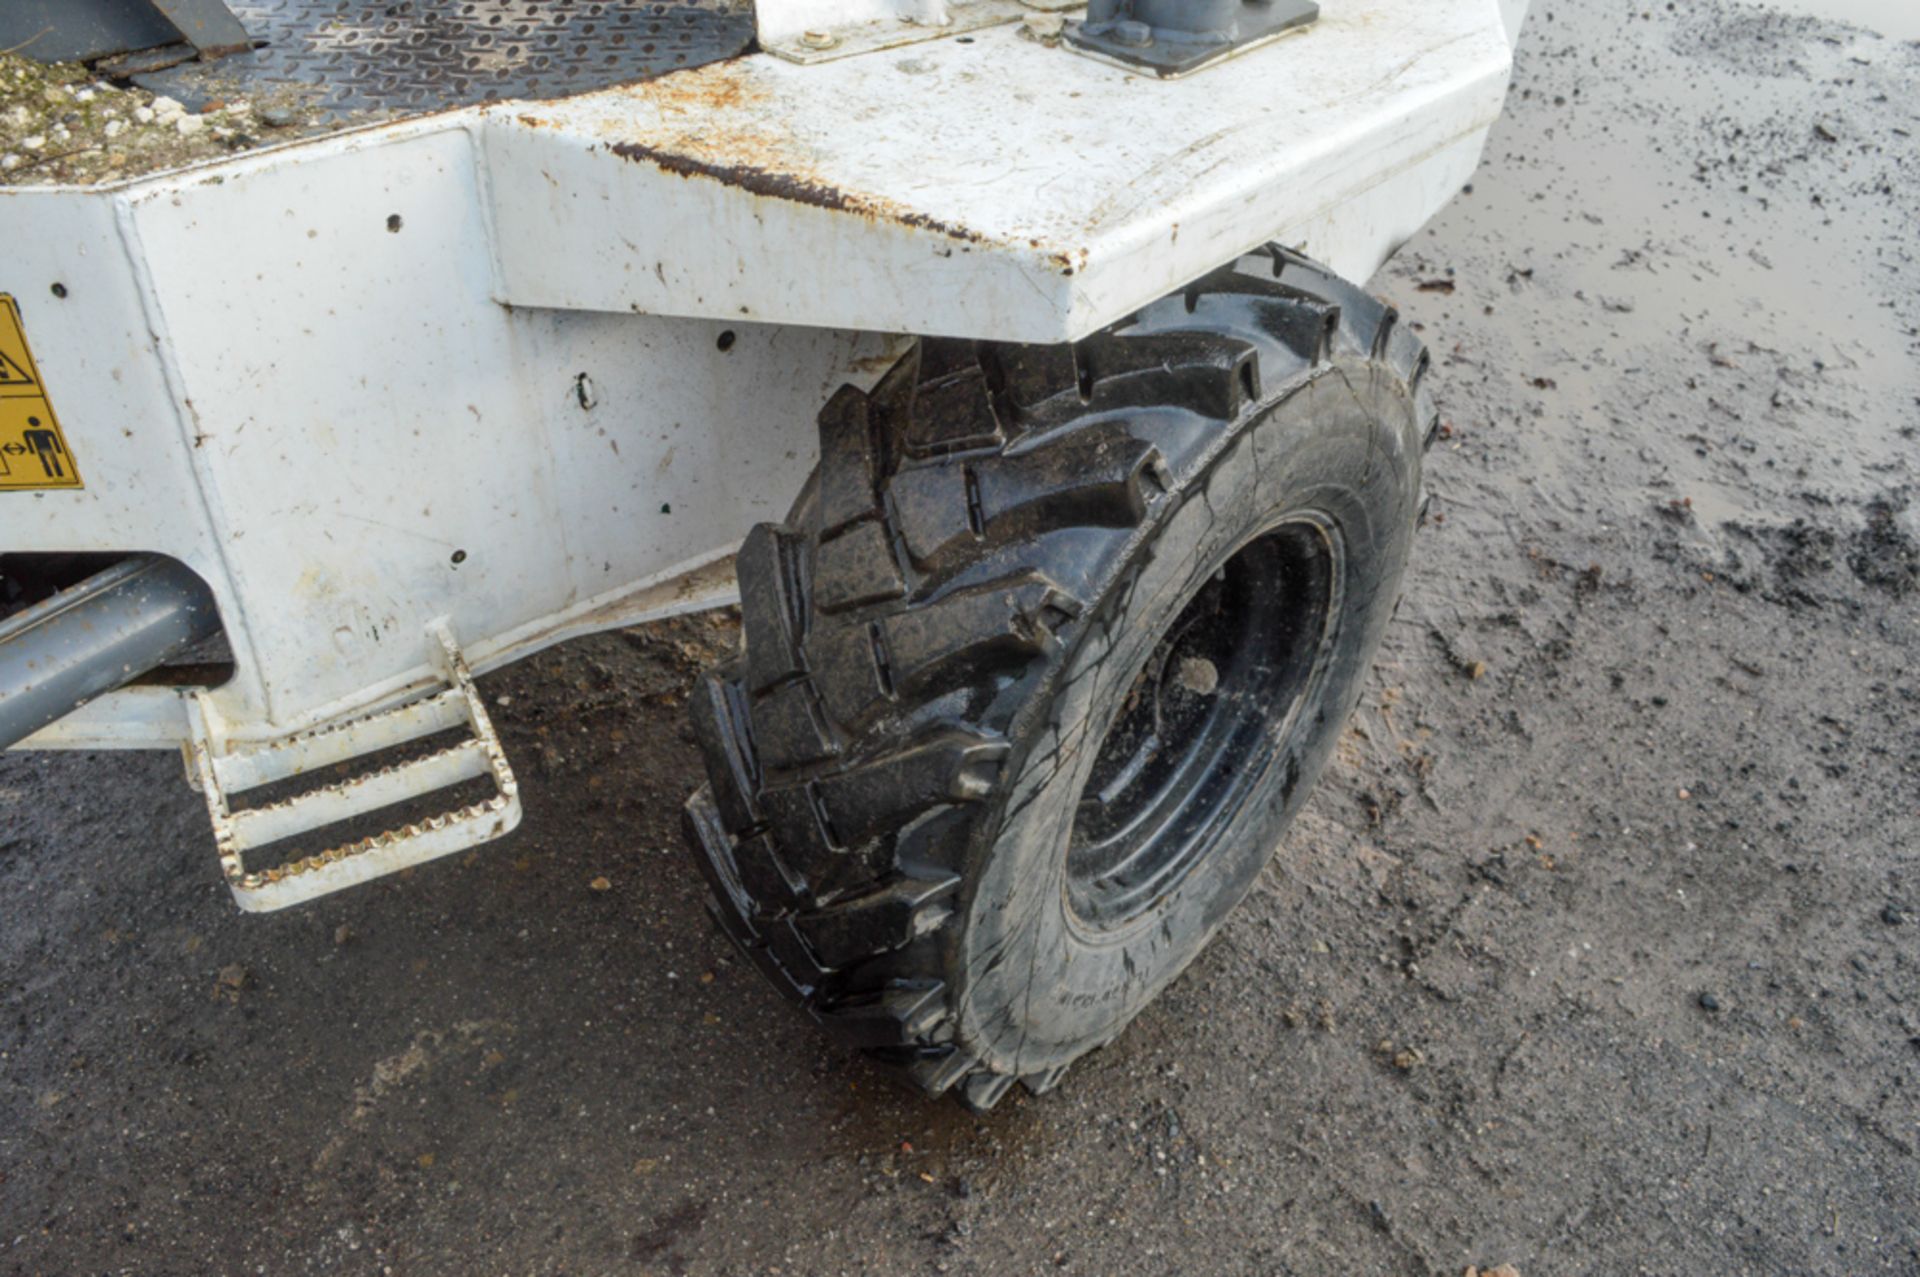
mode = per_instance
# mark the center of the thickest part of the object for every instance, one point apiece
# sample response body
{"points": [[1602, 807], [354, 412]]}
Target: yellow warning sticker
{"points": [[33, 452]]}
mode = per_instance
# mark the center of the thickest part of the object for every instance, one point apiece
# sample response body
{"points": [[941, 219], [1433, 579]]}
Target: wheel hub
{"points": [[1197, 723]]}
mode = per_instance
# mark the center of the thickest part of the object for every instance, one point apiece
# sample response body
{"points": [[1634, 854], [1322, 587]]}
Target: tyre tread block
{"points": [[953, 413], [1366, 313], [717, 707], [983, 1090], [936, 1069], [856, 566], [847, 461], [846, 669], [877, 922], [1214, 374], [772, 887], [1030, 376], [1406, 354], [930, 509], [1041, 1083], [893, 1017], [769, 606], [799, 829], [950, 767], [756, 952], [973, 631], [890, 402], [935, 842], [1092, 477], [1304, 321], [713, 853], [790, 727], [732, 910], [1308, 329], [944, 356], [790, 955]]}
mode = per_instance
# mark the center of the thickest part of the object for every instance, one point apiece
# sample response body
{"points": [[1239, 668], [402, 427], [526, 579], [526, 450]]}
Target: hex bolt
{"points": [[819, 39]]}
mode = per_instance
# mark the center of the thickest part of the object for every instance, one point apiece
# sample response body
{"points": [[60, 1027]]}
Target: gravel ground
{"points": [[59, 124], [1595, 953]]}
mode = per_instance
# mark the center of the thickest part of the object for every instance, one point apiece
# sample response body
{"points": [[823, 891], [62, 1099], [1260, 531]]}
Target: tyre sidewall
{"points": [[1036, 988]]}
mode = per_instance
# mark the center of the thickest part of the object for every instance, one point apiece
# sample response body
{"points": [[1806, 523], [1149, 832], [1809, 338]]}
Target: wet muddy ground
{"points": [[1597, 951]]}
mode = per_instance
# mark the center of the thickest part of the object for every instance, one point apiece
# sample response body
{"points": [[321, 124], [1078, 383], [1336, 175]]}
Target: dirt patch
{"points": [[1885, 554]]}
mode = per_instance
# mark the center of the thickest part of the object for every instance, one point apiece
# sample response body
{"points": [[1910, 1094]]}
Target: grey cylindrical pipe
{"points": [[101, 634]]}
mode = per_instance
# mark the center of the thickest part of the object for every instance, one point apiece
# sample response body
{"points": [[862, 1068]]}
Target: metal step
{"points": [[220, 769]]}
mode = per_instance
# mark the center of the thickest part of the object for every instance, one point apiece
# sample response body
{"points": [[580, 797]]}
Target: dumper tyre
{"points": [[1048, 653]]}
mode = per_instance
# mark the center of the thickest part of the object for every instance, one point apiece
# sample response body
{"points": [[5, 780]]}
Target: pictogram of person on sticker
{"points": [[45, 444]]}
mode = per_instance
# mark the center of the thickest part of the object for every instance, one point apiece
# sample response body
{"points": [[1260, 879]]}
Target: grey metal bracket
{"points": [[208, 25], [1168, 38], [81, 30], [88, 30]]}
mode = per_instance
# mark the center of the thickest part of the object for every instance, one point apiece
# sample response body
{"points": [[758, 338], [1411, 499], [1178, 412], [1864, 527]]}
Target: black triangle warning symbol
{"points": [[12, 375]]}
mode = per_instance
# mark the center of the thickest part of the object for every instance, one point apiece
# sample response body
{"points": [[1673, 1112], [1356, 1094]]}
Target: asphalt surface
{"points": [[1595, 952]]}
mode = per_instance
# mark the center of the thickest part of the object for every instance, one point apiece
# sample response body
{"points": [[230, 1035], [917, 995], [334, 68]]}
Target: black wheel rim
{"points": [[1202, 720]]}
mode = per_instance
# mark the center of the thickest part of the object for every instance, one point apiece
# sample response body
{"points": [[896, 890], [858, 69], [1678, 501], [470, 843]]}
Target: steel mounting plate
{"points": [[1168, 52]]}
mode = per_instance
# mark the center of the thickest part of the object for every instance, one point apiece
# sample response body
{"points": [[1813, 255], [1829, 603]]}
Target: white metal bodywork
{"points": [[318, 415], [535, 368], [998, 187]]}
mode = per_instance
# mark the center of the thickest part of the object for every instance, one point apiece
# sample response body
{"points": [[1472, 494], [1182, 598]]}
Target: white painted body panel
{"points": [[318, 413], [998, 187]]}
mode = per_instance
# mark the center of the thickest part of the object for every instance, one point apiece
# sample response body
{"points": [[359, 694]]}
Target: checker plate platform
{"points": [[354, 58]]}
